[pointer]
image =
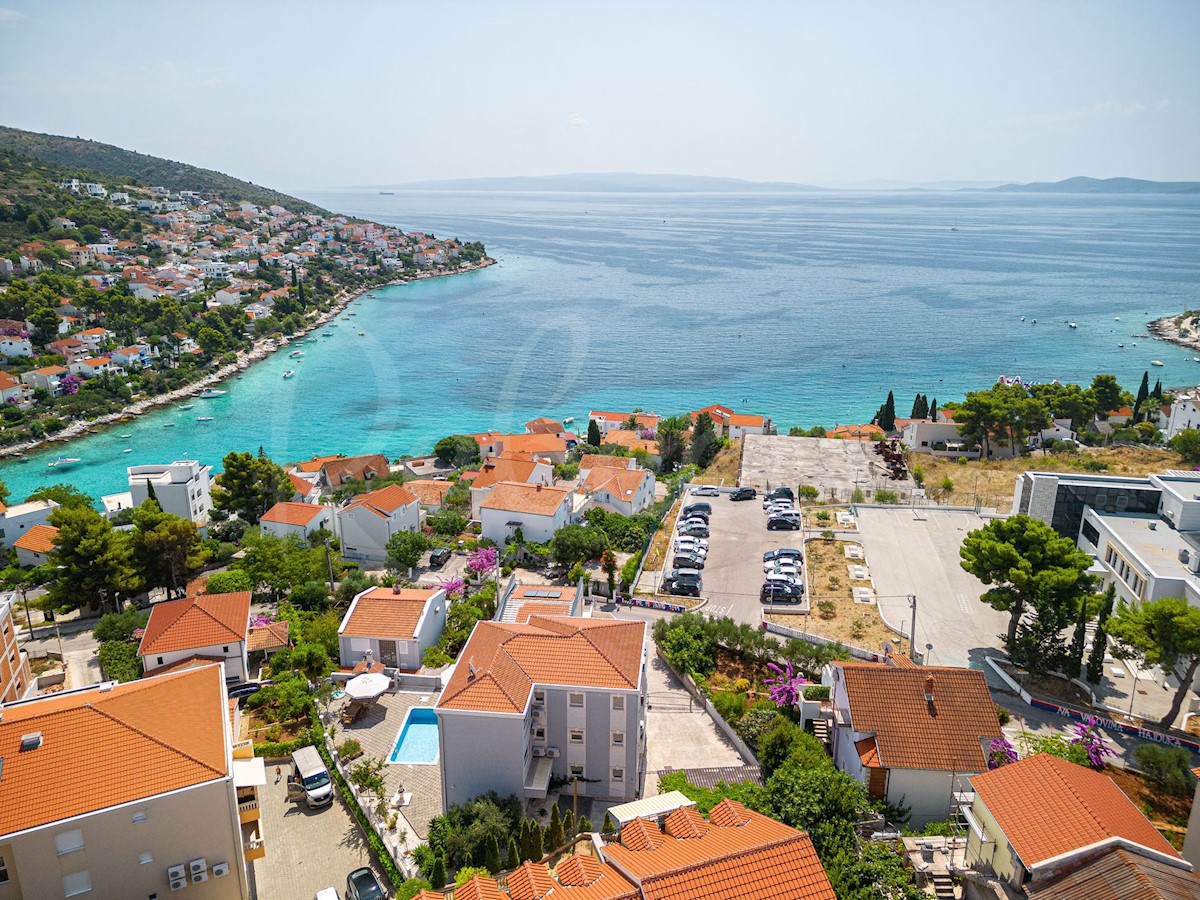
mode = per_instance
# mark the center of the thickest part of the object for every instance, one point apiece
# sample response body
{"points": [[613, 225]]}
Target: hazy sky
{"points": [[302, 94]]}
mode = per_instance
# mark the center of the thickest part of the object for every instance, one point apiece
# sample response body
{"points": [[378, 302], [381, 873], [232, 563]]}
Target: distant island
{"points": [[612, 182], [1084, 185]]}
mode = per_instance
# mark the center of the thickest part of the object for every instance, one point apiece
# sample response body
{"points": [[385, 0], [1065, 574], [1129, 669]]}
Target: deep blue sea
{"points": [[807, 308]]}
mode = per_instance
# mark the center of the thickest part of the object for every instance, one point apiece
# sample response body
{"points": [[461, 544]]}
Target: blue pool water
{"points": [[418, 740]]}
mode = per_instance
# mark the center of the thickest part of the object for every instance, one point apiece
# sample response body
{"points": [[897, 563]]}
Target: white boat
{"points": [[1116, 318], [127, 435], [210, 393], [127, 450], [1072, 325], [326, 334], [64, 461], [169, 425], [1022, 318], [204, 418], [1156, 362], [289, 373], [568, 420], [296, 353], [187, 405], [362, 334]]}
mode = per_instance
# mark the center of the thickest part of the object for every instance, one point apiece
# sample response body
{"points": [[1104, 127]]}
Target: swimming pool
{"points": [[418, 739]]}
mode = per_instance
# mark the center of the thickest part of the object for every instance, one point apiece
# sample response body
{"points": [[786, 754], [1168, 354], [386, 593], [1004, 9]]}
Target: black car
{"points": [[361, 884], [704, 509], [780, 592], [779, 493], [743, 493], [439, 558], [683, 583], [783, 553], [783, 523], [687, 561]]}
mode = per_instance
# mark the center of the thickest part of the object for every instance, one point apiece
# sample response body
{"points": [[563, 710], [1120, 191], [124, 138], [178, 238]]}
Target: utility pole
{"points": [[912, 634], [329, 563]]}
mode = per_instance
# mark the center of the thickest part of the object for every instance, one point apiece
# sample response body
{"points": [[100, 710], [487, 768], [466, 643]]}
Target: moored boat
{"points": [[289, 373], [210, 393], [64, 461]]}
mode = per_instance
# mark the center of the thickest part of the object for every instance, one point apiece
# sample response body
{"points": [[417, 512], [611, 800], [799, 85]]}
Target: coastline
{"points": [[1168, 329], [259, 351]]}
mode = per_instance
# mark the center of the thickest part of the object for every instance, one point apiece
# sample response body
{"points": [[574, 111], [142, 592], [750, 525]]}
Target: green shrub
{"points": [[742, 685], [120, 626], [119, 661], [729, 705], [816, 692], [349, 748], [1002, 715], [888, 497], [827, 608], [756, 722], [435, 658], [1170, 767], [228, 582]]}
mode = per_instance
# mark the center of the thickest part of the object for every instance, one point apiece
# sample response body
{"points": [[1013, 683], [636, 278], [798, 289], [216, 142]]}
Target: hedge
{"points": [[119, 661]]}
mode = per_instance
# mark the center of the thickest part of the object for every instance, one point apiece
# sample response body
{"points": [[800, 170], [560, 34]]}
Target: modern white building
{"points": [[208, 627], [301, 519], [368, 522], [553, 697], [537, 510], [395, 625], [183, 488], [17, 520]]}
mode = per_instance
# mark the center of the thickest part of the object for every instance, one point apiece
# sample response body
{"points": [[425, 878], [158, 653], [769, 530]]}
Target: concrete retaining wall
{"points": [[857, 652], [725, 728]]}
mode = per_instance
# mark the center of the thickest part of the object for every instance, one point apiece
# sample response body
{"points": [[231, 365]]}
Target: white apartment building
{"points": [[183, 488]]}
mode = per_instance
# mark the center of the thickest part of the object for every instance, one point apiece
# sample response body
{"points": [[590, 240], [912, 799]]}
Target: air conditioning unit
{"points": [[220, 870], [538, 715], [1194, 563], [200, 877], [178, 884], [552, 752], [539, 751], [179, 871], [197, 865]]}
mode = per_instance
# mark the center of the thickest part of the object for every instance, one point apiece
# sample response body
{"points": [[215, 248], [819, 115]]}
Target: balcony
{"points": [[248, 810], [253, 845], [537, 777]]}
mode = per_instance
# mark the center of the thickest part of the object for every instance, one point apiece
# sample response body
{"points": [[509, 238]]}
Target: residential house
{"points": [[554, 697], [430, 494], [537, 510], [148, 787], [70, 349], [1184, 414], [913, 735], [1118, 875], [934, 438], [497, 470], [1120, 416], [1040, 818], [633, 441], [209, 625], [869, 432], [301, 519], [368, 522], [12, 390], [551, 447], [15, 345], [93, 367], [624, 491], [1059, 430], [305, 488], [520, 602], [589, 461], [394, 625], [136, 356], [543, 425], [95, 338], [183, 488], [47, 378], [35, 545], [15, 677], [732, 425], [17, 520], [608, 421], [335, 471]]}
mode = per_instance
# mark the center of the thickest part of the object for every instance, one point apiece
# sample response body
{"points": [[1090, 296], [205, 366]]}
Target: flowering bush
{"points": [[262, 620], [786, 688], [454, 588], [482, 561], [1089, 736], [1001, 753], [70, 385]]}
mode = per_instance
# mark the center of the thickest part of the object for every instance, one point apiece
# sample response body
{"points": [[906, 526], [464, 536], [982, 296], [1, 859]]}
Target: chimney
{"points": [[539, 485], [470, 670], [929, 688], [396, 588]]}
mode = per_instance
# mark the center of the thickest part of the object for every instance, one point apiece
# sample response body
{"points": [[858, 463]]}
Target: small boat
{"points": [[352, 314], [1133, 344], [333, 324], [127, 450], [326, 334], [387, 193], [296, 353], [289, 373], [210, 393], [169, 425], [187, 405], [126, 435], [1072, 325], [310, 340], [204, 418], [1156, 362], [361, 333], [22, 459], [1022, 318], [1116, 318], [568, 420], [64, 461], [1122, 346]]}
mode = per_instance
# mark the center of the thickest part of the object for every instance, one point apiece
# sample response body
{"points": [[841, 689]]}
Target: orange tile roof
{"points": [[1074, 807], [595, 460], [644, 420], [497, 470], [543, 425], [736, 853], [509, 659], [315, 464], [623, 484], [868, 752], [303, 486], [429, 492], [527, 498], [747, 419], [630, 440], [50, 370], [386, 612], [103, 748], [339, 470], [190, 662], [534, 443], [854, 432], [38, 539], [201, 621], [910, 732], [384, 501], [1119, 875], [478, 888], [285, 512], [267, 637]]}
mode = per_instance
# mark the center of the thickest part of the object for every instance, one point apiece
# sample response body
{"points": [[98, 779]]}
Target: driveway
{"points": [[679, 733], [306, 849], [915, 552]]}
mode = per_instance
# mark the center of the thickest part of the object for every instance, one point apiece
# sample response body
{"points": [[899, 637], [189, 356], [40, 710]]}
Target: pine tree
{"points": [[593, 433], [1095, 666], [1074, 663], [554, 833], [584, 825], [607, 826], [437, 874], [491, 855], [514, 855]]}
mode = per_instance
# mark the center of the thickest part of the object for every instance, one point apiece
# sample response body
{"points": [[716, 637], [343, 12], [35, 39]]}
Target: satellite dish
{"points": [[888, 649]]}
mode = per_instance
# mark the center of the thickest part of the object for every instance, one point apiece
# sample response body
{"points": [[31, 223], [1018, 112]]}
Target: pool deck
{"points": [[377, 731]]}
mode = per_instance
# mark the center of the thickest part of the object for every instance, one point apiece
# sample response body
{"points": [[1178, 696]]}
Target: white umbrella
{"points": [[368, 686]]}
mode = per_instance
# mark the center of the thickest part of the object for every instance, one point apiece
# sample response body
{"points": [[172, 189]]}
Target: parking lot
{"points": [[916, 552], [733, 571], [834, 467]]}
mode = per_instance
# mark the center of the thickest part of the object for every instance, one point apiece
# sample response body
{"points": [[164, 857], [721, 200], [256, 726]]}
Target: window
{"points": [[68, 841], [77, 883], [539, 734], [146, 858], [575, 699], [618, 738], [224, 649], [576, 771], [618, 774], [539, 696], [576, 735], [618, 703], [3, 870], [139, 817], [160, 662]]}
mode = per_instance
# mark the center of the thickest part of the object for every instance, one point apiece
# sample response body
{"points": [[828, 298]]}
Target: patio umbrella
{"points": [[367, 687]]}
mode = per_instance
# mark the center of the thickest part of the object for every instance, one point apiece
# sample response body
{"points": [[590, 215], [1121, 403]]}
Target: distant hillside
{"points": [[138, 168], [1083, 185], [616, 182]]}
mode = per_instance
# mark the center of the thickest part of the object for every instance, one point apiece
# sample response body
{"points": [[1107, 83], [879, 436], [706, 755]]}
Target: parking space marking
{"points": [[964, 605]]}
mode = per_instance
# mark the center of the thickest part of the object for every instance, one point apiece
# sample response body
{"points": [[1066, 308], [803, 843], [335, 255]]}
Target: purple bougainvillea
{"points": [[482, 561], [1001, 753], [1089, 736], [786, 688], [454, 588], [70, 385], [262, 620]]}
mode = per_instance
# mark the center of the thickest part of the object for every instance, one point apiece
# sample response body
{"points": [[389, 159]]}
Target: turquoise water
{"points": [[418, 740], [808, 308]]}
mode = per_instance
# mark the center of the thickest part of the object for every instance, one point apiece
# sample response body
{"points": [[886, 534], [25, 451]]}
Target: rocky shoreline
{"points": [[245, 359], [1171, 329]]}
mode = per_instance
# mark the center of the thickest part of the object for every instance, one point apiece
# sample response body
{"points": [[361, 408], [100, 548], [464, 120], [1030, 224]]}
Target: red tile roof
{"points": [[103, 748], [854, 432], [299, 515], [1119, 875], [509, 658], [913, 733], [267, 637], [429, 492], [384, 501], [497, 470], [478, 888], [534, 443], [594, 460], [1074, 808], [621, 484], [38, 539], [534, 499], [543, 425], [201, 621], [386, 612], [630, 440], [737, 853], [303, 486]]}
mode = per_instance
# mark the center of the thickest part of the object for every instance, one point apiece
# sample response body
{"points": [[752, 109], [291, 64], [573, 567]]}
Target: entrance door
{"points": [[387, 653]]}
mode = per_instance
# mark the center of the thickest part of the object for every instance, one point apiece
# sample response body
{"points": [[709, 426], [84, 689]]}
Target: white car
{"points": [[684, 546], [789, 566], [785, 569], [776, 577], [704, 490], [698, 542]]}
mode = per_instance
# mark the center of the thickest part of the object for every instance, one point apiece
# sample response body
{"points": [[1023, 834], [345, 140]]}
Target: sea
{"points": [[807, 308]]}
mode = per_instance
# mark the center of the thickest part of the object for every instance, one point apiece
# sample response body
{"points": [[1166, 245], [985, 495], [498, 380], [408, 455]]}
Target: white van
{"points": [[310, 779]]}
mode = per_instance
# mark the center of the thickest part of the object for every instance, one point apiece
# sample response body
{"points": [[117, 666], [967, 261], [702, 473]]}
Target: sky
{"points": [[305, 95]]}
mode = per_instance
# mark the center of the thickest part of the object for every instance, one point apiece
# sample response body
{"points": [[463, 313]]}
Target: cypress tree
{"points": [[1095, 666], [568, 825], [554, 833], [920, 407], [514, 855], [584, 825], [933, 409], [537, 840], [437, 874], [1142, 394], [1078, 641], [150, 495], [887, 415], [525, 851], [607, 826], [593, 433], [491, 856], [1157, 392]]}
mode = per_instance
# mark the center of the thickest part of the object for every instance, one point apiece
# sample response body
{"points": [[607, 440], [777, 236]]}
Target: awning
{"points": [[249, 772]]}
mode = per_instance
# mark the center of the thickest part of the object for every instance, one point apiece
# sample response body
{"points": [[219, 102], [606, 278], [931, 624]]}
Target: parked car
{"points": [[704, 490], [789, 569], [743, 493], [683, 582], [705, 509], [687, 561], [694, 520], [689, 547], [780, 592], [700, 531], [780, 578], [783, 503], [700, 543], [783, 523], [361, 884], [327, 894], [783, 553], [779, 493], [439, 558]]}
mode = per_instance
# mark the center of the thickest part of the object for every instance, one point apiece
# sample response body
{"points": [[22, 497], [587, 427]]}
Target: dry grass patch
{"points": [[661, 541], [1156, 804], [726, 467], [996, 478]]}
